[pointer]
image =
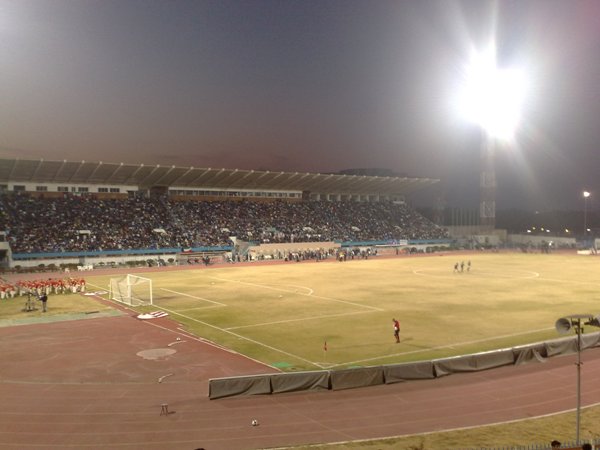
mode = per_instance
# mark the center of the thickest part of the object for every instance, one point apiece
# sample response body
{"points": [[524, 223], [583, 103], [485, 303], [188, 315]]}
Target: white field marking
{"points": [[326, 316], [107, 295], [188, 335], [300, 293], [556, 280], [200, 308], [441, 347], [239, 336], [499, 274], [530, 276], [310, 291], [99, 287], [193, 296]]}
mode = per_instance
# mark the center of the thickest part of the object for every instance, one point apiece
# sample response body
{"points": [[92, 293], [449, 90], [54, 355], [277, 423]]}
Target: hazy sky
{"points": [[315, 86]]}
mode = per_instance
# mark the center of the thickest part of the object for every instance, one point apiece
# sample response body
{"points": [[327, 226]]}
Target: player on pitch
{"points": [[396, 330]]}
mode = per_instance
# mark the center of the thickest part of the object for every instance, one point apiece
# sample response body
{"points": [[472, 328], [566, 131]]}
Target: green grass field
{"points": [[67, 304], [282, 314]]}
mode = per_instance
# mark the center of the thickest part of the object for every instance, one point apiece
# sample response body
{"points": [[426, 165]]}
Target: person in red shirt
{"points": [[396, 330]]}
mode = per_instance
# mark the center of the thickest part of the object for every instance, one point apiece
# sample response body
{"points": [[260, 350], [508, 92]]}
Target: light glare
{"points": [[492, 97]]}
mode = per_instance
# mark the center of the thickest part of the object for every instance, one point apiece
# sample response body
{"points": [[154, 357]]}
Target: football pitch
{"points": [[326, 315]]}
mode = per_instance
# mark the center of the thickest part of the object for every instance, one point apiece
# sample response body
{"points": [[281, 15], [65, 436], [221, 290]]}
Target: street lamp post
{"points": [[563, 325], [586, 194]]}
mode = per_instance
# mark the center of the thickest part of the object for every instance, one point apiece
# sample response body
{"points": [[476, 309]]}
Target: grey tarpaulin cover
{"points": [[394, 373]]}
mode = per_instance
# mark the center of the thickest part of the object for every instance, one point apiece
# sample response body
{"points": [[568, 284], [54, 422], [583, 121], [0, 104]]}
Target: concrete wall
{"points": [[95, 260]]}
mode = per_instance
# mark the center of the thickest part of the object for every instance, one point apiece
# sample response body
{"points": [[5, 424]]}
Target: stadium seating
{"points": [[86, 223]]}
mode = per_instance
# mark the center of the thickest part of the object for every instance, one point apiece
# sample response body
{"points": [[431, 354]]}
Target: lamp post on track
{"points": [[563, 325]]}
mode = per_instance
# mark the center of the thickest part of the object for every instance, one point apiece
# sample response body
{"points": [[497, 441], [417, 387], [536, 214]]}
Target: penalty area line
{"points": [[199, 308], [239, 336], [99, 287], [188, 335], [192, 296]]}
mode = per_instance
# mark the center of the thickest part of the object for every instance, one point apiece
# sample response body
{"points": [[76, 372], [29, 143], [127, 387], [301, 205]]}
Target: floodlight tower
{"points": [[487, 184], [492, 99]]}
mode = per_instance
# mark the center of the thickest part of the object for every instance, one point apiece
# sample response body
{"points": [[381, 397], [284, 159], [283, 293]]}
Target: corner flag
{"points": [[325, 346]]}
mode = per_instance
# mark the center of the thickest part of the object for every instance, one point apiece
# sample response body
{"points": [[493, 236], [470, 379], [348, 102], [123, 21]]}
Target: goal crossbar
{"points": [[132, 290]]}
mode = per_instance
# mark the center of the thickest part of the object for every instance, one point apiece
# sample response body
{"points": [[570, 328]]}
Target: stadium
{"points": [[202, 308], [272, 224]]}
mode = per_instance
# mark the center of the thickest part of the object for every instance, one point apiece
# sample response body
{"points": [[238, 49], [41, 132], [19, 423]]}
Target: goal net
{"points": [[131, 290]]}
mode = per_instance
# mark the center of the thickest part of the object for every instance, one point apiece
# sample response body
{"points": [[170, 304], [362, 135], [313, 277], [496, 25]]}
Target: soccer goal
{"points": [[131, 290]]}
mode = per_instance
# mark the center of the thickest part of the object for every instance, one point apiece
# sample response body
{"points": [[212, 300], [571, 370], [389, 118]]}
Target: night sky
{"points": [[311, 86]]}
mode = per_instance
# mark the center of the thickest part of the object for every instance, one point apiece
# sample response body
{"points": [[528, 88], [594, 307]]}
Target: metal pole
{"points": [[578, 379], [585, 216], [487, 183]]}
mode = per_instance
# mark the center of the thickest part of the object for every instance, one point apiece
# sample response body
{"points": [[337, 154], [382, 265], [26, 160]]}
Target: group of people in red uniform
{"points": [[48, 286]]}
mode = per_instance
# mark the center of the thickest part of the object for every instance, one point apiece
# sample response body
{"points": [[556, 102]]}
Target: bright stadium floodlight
{"points": [[492, 97]]}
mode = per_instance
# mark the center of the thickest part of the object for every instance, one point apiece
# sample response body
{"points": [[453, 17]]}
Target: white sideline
{"points": [[239, 336], [192, 296]]}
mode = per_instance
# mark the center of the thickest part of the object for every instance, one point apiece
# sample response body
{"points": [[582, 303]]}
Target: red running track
{"points": [[81, 385]]}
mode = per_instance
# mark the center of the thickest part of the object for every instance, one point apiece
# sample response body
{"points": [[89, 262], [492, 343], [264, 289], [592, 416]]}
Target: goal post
{"points": [[132, 290]]}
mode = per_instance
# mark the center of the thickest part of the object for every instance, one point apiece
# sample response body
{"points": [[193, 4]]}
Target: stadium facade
{"points": [[51, 178]]}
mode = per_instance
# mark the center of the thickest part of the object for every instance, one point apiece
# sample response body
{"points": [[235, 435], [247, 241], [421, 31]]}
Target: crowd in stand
{"points": [[87, 223], [312, 254]]}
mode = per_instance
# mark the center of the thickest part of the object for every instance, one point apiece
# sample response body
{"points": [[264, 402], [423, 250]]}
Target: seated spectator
{"points": [[75, 224]]}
